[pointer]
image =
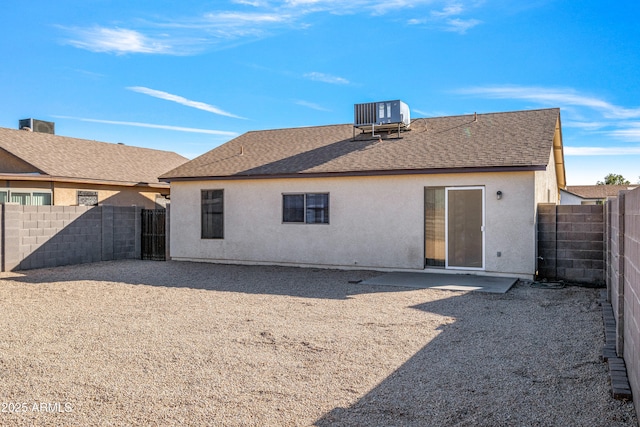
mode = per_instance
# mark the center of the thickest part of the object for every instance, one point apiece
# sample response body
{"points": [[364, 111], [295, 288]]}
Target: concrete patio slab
{"points": [[451, 282]]}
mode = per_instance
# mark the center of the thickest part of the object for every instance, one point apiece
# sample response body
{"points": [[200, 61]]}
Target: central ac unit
{"points": [[383, 113], [37, 125]]}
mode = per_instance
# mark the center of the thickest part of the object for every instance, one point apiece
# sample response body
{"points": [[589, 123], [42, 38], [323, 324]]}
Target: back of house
{"points": [[453, 194]]}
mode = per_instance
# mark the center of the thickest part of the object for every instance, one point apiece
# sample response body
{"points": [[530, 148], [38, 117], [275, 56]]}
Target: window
{"points": [[21, 198], [434, 205], [311, 208], [26, 197], [87, 198], [41, 199], [212, 214]]}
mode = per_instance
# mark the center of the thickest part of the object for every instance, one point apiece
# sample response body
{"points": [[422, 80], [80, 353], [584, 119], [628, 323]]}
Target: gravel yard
{"points": [[168, 343]]}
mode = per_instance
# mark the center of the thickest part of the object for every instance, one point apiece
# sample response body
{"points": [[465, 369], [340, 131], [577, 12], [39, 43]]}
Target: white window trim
{"points": [[29, 191]]}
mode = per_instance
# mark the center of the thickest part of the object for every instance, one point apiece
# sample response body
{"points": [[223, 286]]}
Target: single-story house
{"points": [[39, 168], [453, 194], [591, 194]]}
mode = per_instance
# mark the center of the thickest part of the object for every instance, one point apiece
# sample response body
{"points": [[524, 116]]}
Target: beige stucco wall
{"points": [[66, 194], [375, 222], [546, 185], [12, 164]]}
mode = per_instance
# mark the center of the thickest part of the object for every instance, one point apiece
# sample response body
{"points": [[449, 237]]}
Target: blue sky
{"points": [[188, 76]]}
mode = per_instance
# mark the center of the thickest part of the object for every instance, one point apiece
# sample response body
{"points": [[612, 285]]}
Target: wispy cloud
{"points": [[192, 34], [629, 132], [116, 40], [444, 19], [461, 26], [586, 125], [592, 117], [251, 3], [150, 125], [553, 96], [182, 100], [311, 105], [447, 11], [326, 78], [601, 151]]}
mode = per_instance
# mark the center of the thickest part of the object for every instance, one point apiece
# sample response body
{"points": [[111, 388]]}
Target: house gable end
{"points": [[12, 164]]}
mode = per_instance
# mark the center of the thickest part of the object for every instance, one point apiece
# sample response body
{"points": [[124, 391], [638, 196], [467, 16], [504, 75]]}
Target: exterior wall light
{"points": [[499, 194]]}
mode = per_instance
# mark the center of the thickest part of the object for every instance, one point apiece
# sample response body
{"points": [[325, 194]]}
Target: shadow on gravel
{"points": [[529, 357], [270, 280]]}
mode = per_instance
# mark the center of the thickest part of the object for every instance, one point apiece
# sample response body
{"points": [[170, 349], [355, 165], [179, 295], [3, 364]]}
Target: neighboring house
{"points": [[591, 194], [453, 193], [39, 168]]}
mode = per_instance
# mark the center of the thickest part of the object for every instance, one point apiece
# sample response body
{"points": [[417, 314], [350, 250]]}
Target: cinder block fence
{"points": [[623, 280], [49, 236], [571, 243]]}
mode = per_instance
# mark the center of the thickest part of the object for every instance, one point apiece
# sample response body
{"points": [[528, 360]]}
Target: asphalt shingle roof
{"points": [[513, 139], [64, 157], [599, 191]]}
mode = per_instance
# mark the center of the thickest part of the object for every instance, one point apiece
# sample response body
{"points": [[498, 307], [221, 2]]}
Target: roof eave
{"points": [[432, 171], [49, 178], [558, 156]]}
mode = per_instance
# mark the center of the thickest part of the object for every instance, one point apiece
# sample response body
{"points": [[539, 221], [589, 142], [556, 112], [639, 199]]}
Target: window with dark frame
{"points": [[212, 205], [309, 208]]}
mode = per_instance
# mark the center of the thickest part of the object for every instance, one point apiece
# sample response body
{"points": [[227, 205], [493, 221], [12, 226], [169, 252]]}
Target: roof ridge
{"points": [[412, 119], [84, 140]]}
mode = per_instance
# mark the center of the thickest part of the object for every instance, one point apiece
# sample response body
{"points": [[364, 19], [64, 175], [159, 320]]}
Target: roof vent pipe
{"points": [[475, 117]]}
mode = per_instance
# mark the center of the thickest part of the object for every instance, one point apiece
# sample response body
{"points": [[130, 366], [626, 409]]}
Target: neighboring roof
{"points": [[520, 140], [598, 191], [80, 159]]}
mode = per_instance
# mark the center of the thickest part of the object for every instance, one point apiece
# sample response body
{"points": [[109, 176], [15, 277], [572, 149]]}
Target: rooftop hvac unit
{"points": [[382, 115], [37, 125]]}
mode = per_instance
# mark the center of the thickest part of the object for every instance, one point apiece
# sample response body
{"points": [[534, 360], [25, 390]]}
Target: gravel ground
{"points": [[152, 343]]}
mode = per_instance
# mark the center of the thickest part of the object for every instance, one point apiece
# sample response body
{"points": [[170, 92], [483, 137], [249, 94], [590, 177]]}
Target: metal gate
{"points": [[154, 234]]}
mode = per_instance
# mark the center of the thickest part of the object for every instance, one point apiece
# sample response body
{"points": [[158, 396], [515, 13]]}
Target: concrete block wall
{"points": [[615, 264], [623, 281], [571, 243], [631, 289], [127, 232], [547, 241], [49, 236]]}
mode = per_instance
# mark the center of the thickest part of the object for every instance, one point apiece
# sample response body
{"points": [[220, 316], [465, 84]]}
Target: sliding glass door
{"points": [[454, 227]]}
